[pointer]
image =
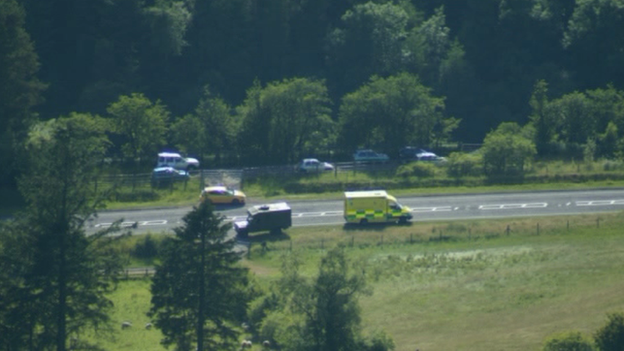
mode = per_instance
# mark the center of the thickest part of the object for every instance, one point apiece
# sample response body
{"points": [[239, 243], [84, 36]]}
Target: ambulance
{"points": [[375, 206]]}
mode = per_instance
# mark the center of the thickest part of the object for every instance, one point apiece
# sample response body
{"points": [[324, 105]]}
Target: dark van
{"points": [[270, 217]]}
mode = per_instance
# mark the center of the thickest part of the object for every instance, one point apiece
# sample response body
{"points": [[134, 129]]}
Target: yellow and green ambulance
{"points": [[374, 206]]}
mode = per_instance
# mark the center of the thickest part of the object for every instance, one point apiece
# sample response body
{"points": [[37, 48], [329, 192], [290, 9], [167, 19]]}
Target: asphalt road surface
{"points": [[424, 208]]}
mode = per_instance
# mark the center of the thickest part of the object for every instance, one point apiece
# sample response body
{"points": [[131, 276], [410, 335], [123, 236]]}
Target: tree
{"points": [[572, 341], [369, 42], [189, 135], [393, 112], [429, 45], [573, 118], [218, 123], [141, 123], [507, 150], [286, 120], [199, 293], [596, 27], [328, 306], [611, 336], [57, 277], [543, 129], [20, 90]]}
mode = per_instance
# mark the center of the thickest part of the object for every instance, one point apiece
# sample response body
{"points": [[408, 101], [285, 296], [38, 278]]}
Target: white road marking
{"points": [[513, 206], [431, 209], [600, 203]]}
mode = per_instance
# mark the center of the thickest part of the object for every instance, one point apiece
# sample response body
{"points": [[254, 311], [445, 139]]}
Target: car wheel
{"points": [[235, 202]]}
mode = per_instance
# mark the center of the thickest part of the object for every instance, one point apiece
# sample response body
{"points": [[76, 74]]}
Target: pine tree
{"points": [[199, 292]]}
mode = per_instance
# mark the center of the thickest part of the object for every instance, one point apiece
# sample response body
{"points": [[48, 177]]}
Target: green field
{"points": [[468, 285]]}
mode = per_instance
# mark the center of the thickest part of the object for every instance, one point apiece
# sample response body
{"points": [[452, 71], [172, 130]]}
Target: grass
{"points": [[466, 285], [553, 175], [131, 301]]}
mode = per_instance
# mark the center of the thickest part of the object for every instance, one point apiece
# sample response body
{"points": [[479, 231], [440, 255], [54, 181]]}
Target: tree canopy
{"points": [[199, 293]]}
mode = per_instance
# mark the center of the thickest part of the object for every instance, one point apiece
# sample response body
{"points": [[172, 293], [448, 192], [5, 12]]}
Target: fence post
{"points": [[507, 229], [352, 241]]}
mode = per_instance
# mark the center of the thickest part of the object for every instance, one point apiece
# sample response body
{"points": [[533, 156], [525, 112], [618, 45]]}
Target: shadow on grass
{"points": [[373, 227], [265, 237]]}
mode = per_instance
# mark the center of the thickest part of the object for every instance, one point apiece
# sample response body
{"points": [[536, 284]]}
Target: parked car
{"points": [[222, 195], [164, 176], [369, 156], [175, 160], [309, 165], [270, 217], [410, 153]]}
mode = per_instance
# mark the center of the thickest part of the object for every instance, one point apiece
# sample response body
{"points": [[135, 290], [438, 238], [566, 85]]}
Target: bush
{"points": [[610, 165], [611, 336], [572, 341], [417, 169], [464, 165]]}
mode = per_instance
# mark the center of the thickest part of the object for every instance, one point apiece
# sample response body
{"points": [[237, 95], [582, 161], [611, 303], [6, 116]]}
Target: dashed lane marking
{"points": [[514, 206], [600, 203]]}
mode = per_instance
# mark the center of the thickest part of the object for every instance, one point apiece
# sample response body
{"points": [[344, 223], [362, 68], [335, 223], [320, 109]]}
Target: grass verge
{"points": [[465, 285]]}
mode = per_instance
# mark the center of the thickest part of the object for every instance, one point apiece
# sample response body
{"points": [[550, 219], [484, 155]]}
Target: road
{"points": [[424, 208]]}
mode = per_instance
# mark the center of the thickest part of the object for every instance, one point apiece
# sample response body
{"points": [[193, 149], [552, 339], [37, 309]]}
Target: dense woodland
{"points": [[266, 82]]}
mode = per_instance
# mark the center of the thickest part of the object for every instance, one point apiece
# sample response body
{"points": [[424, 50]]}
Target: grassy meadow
{"points": [[466, 285]]}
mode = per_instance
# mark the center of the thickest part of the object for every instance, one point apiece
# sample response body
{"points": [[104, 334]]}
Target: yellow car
{"points": [[223, 195]]}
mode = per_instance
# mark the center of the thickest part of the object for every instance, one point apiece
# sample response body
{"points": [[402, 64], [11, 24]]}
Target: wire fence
{"points": [[375, 236]]}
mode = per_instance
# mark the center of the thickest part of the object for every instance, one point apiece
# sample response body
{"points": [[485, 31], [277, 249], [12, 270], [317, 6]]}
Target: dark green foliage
{"points": [[611, 336], [199, 293], [325, 310], [554, 63], [390, 113], [20, 90], [141, 125], [56, 277], [285, 121], [572, 341]]}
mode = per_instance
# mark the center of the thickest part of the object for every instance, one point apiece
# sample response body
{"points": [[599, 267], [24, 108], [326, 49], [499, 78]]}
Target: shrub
{"points": [[417, 169], [611, 336], [610, 165], [572, 341], [464, 165]]}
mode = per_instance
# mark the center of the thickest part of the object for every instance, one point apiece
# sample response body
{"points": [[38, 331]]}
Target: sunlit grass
{"points": [[464, 285], [131, 303]]}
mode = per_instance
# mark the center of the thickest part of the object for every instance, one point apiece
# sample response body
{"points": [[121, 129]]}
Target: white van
{"points": [[175, 160]]}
